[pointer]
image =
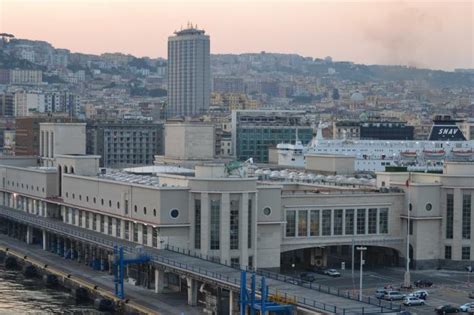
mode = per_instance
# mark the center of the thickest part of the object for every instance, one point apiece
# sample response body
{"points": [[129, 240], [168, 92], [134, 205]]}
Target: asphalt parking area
{"points": [[449, 287]]}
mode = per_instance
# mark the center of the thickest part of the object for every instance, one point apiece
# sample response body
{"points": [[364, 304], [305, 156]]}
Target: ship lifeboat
{"points": [[462, 153], [408, 154], [434, 153]]}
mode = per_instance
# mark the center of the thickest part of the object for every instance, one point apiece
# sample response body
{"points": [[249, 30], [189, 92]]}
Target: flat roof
{"points": [[159, 169]]}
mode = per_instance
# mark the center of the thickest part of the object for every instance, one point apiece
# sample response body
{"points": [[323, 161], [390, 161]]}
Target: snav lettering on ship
{"points": [[447, 131]]}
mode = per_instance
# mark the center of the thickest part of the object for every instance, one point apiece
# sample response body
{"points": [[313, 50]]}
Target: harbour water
{"points": [[29, 296]]}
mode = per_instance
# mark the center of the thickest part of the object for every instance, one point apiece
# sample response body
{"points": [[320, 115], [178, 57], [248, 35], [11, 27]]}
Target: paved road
{"points": [[450, 287]]}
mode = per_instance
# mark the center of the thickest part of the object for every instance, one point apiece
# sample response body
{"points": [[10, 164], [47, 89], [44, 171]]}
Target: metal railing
{"points": [[72, 231]]}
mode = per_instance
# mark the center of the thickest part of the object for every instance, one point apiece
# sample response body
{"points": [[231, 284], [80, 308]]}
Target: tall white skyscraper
{"points": [[189, 72]]}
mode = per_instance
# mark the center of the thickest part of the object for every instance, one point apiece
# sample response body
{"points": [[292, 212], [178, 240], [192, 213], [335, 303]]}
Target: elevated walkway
{"points": [[309, 298]]}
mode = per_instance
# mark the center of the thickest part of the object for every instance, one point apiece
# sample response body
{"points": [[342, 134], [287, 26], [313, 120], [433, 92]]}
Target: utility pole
{"points": [[407, 280], [353, 254], [361, 249]]}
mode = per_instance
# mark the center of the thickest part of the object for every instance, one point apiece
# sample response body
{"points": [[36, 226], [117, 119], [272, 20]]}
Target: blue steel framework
{"points": [[119, 264], [262, 305]]}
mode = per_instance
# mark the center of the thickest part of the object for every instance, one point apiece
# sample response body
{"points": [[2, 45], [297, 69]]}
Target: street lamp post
{"points": [[407, 280], [361, 249]]}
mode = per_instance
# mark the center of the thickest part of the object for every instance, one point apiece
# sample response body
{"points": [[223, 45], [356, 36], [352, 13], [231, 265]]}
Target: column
{"points": [[159, 280], [84, 218], [70, 213], [91, 219], [131, 230], [76, 220], [192, 291], [106, 224], [29, 234], [231, 302], [114, 227], [45, 240], [140, 233], [149, 235], [244, 230], [205, 228], [122, 228]]}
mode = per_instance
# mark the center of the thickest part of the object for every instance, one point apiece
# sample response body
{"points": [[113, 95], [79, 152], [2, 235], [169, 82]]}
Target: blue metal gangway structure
{"points": [[119, 265], [263, 305]]}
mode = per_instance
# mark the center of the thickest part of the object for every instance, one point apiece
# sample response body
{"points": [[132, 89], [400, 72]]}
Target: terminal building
{"points": [[239, 217]]}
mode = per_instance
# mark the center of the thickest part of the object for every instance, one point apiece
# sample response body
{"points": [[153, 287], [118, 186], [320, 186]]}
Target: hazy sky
{"points": [[418, 33]]}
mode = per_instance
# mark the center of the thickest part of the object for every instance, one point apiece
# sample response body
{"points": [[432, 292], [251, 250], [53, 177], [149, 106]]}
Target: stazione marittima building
{"points": [[242, 220]]}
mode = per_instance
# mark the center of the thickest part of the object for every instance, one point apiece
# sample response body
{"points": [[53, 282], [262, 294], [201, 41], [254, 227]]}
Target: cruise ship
{"points": [[445, 142]]}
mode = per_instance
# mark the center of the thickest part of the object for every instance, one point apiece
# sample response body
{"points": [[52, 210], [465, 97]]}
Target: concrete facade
{"points": [[189, 141]]}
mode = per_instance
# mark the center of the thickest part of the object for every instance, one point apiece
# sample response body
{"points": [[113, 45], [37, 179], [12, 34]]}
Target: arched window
{"points": [[65, 169], [154, 212], [118, 205], [144, 210], [71, 169]]}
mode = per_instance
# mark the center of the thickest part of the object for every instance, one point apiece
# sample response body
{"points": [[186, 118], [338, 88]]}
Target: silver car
{"points": [[412, 301], [393, 296]]}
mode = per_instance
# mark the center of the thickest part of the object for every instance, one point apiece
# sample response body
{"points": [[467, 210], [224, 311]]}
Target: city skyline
{"points": [[390, 32]]}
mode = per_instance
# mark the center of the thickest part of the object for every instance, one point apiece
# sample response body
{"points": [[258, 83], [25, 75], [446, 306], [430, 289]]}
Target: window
{"points": [[197, 223], [154, 212], [73, 196], [135, 208], [102, 201], [267, 211], [383, 223], [110, 203], [87, 198], [303, 223], [428, 207], [135, 232], [155, 237], [349, 221], [447, 252], [118, 205], [126, 207], [94, 200], [290, 223], [372, 221], [102, 223], [87, 220], [94, 221], [80, 218], [338, 222], [466, 253], [360, 221], [174, 213], [234, 224], [326, 224], [144, 210], [449, 215], [127, 230], [215, 223], [314, 223], [145, 234], [466, 216], [118, 224]]}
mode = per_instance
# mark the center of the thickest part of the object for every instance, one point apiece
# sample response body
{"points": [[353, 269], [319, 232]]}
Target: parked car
{"points": [[470, 309], [446, 309], [466, 307], [412, 301], [308, 277], [423, 283], [393, 296], [332, 273], [318, 270], [421, 294], [380, 293]]}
